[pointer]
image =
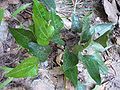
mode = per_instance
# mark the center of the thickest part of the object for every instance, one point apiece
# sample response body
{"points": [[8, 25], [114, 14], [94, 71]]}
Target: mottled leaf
{"points": [[86, 32], [69, 60], [92, 66], [42, 52], [103, 39], [43, 30], [76, 24], [72, 74]]}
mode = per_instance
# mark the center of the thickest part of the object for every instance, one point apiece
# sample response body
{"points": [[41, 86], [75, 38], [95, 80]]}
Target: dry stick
{"points": [[64, 82], [75, 5]]}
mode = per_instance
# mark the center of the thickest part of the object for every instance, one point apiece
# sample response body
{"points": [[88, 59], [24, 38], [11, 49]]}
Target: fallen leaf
{"points": [[3, 31], [13, 1], [4, 5], [111, 10], [118, 40]]}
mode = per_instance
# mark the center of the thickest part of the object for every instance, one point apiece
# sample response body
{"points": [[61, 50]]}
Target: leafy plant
{"points": [[46, 31]]}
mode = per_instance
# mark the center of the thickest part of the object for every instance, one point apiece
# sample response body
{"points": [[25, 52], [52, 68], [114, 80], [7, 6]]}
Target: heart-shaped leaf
{"points": [[92, 66], [23, 37], [42, 52], [69, 66], [72, 74], [69, 60], [28, 68], [101, 29], [86, 32], [76, 24]]}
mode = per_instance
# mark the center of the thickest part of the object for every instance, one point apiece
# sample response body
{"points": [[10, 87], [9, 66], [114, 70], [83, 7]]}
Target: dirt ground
{"points": [[11, 53]]}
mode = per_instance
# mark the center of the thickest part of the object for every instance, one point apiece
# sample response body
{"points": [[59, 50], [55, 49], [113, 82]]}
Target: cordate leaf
{"points": [[23, 7], [101, 29], [96, 47], [40, 11], [69, 60], [92, 66], [43, 30], [86, 32], [103, 39], [28, 68], [76, 24], [1, 14], [56, 21], [39, 51], [69, 66], [72, 74], [50, 4], [57, 39], [23, 37], [103, 68]]}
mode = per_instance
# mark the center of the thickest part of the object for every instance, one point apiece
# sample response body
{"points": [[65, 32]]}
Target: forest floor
{"points": [[53, 79]]}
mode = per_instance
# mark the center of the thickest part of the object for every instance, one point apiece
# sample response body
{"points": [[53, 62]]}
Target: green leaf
{"points": [[86, 22], [42, 52], [72, 74], [69, 60], [86, 31], [2, 85], [103, 39], [40, 11], [76, 24], [6, 69], [92, 66], [28, 68], [56, 21], [103, 68], [101, 29], [1, 14], [43, 30], [23, 7], [96, 47], [77, 48], [69, 66], [56, 39], [23, 37], [50, 4]]}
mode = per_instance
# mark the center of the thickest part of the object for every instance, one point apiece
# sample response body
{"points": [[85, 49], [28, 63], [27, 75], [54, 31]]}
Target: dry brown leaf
{"points": [[3, 31], [118, 40], [4, 4], [13, 1], [111, 10], [59, 58]]}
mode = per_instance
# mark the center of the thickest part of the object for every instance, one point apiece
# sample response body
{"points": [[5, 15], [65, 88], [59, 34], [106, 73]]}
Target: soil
{"points": [[50, 75]]}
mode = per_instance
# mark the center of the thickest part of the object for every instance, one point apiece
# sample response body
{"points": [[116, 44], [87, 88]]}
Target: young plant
{"points": [[46, 28]]}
